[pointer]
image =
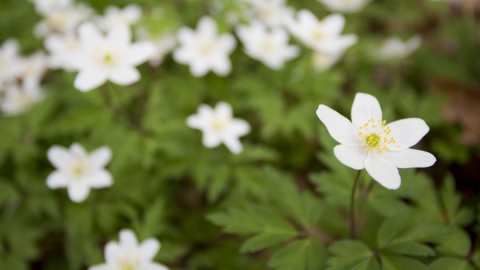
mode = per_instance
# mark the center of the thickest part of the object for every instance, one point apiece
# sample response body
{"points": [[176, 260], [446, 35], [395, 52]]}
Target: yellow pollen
{"points": [[373, 140], [383, 123], [128, 267], [360, 134], [107, 58], [78, 170]]}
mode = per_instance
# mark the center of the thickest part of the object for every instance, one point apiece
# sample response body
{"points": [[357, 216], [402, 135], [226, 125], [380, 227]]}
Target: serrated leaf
{"points": [[390, 262], [450, 263], [306, 254], [410, 248], [263, 241]]}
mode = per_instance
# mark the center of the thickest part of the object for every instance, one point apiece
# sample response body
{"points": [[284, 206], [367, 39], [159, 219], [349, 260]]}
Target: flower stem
{"points": [[352, 207]]}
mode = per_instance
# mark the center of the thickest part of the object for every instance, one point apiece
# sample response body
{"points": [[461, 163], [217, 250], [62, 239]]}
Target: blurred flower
{"points": [[271, 12], [394, 48], [10, 62], [18, 100], [345, 6], [79, 171], [368, 142], [112, 58], [62, 20], [164, 43], [269, 47], [33, 68], [114, 16], [205, 49], [61, 48], [128, 254], [47, 6], [323, 36], [219, 126], [322, 62]]}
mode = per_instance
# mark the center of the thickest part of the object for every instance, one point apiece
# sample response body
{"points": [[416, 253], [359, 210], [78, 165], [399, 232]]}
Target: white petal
{"points": [[124, 75], [133, 12], [407, 132], [140, 52], [194, 121], [77, 149], [112, 252], [211, 139], [207, 26], [100, 179], [58, 156], [121, 35], [239, 127], [128, 240], [227, 42], [89, 35], [414, 43], [100, 267], [185, 35], [182, 55], [334, 23], [222, 66], [100, 157], [149, 248], [338, 126], [410, 158], [224, 109], [233, 144], [365, 107], [78, 190], [57, 179], [351, 156], [199, 68], [89, 79], [155, 266], [382, 171]]}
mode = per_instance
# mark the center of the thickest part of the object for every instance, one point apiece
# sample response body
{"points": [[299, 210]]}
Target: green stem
{"points": [[352, 207]]}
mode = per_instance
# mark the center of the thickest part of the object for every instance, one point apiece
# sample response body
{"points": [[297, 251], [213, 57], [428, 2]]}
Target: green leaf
{"points": [[451, 263], [306, 254], [351, 254], [390, 262], [457, 244], [409, 248]]}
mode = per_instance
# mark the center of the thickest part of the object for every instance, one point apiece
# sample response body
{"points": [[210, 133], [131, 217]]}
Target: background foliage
{"points": [[283, 203]]}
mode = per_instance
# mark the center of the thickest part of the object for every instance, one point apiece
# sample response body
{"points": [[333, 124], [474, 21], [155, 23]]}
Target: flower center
{"points": [[267, 45], [128, 263], [218, 125], [107, 58], [57, 20], [373, 140], [79, 167], [205, 48], [375, 136], [108, 54]]}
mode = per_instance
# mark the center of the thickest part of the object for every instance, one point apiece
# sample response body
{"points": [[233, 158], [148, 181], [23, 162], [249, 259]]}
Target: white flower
{"points": [[112, 58], [164, 43], [33, 68], [368, 142], [269, 47], [345, 6], [62, 20], [10, 62], [128, 254], [271, 12], [61, 49], [323, 36], [322, 62], [79, 171], [394, 48], [205, 49], [114, 16], [47, 6], [219, 126], [17, 100]]}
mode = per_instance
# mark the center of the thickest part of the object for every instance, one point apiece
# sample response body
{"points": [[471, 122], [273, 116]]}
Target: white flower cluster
{"points": [[20, 78]]}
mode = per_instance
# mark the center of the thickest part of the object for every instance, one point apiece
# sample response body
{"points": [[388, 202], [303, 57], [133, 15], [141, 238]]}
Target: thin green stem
{"points": [[352, 207]]}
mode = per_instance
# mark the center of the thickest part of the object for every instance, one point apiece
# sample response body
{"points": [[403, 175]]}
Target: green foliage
{"points": [[284, 202]]}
